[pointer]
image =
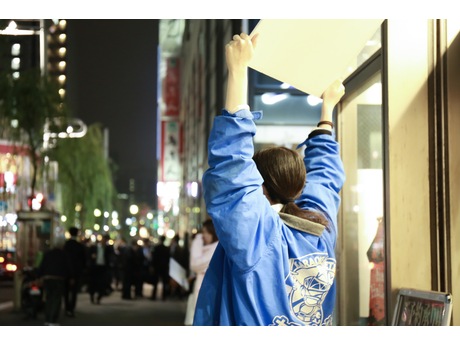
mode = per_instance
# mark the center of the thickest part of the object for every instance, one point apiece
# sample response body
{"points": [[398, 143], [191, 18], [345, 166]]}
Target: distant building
{"points": [[34, 43]]}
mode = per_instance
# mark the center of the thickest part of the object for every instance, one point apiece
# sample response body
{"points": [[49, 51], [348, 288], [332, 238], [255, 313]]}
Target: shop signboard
{"points": [[422, 308]]}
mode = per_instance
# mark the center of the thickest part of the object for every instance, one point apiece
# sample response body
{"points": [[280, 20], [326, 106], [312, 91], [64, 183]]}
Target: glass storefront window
{"points": [[362, 247]]}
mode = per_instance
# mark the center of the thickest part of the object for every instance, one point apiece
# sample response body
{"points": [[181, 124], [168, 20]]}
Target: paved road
{"points": [[113, 311], [6, 291]]}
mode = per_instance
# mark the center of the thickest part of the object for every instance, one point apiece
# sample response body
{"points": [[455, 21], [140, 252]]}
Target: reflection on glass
{"points": [[362, 277], [376, 257]]}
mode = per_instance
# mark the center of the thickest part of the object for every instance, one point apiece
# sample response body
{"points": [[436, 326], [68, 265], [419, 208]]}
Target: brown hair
{"points": [[209, 225], [284, 175]]}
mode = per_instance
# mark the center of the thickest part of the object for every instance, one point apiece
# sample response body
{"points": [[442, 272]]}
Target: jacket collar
{"points": [[298, 223]]}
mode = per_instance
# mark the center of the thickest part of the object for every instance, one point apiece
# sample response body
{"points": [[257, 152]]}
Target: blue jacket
{"points": [[269, 268]]}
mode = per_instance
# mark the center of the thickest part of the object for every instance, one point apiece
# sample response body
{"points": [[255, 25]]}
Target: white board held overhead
{"points": [[310, 54]]}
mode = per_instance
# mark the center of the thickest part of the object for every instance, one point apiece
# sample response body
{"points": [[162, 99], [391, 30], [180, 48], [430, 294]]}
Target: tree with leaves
{"points": [[85, 176], [26, 104]]}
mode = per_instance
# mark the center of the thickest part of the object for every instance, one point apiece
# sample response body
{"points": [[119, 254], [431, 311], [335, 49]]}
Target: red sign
{"points": [[171, 87]]}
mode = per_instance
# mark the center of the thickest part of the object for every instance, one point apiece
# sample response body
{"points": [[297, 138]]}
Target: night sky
{"points": [[112, 80]]}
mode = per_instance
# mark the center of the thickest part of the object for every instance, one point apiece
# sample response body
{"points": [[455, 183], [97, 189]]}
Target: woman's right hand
{"points": [[331, 96], [239, 51]]}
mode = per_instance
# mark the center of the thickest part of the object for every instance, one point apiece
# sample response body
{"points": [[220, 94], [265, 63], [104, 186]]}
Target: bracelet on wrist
{"points": [[325, 123]]}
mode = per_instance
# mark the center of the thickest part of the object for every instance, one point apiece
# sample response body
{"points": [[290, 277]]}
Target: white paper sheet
{"points": [[178, 273], [310, 54]]}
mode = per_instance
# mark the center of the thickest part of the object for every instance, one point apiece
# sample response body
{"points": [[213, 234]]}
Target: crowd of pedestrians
{"points": [[77, 265]]}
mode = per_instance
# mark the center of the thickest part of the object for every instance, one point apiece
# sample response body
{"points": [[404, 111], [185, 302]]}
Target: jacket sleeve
{"points": [[325, 177], [233, 189]]}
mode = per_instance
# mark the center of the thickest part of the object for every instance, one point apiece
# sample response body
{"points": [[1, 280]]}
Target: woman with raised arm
{"points": [[275, 215]]}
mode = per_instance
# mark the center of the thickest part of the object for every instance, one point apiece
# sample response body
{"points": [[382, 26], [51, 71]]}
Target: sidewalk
{"points": [[113, 311]]}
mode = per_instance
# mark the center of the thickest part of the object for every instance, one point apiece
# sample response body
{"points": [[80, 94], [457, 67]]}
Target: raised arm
{"points": [[232, 185], [331, 96], [238, 53], [325, 173]]}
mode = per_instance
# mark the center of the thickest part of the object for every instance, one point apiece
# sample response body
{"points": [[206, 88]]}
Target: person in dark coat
{"points": [[132, 270], [55, 268], [76, 252], [100, 258], [160, 264]]}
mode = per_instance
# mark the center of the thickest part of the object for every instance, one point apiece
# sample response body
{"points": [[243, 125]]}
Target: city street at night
{"points": [[113, 311]]}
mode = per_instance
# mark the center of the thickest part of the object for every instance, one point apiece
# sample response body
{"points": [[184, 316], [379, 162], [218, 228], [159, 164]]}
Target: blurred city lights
{"points": [[133, 209], [143, 232]]}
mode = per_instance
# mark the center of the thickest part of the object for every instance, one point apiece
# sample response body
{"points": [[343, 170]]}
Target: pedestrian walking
{"points": [[76, 253], [201, 251], [101, 257], [160, 263], [55, 268], [132, 270]]}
